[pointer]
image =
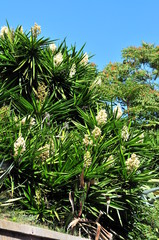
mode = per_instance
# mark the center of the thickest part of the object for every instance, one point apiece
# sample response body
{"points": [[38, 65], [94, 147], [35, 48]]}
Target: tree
{"points": [[133, 82]]}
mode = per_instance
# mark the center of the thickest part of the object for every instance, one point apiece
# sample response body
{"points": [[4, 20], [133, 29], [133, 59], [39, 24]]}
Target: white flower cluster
{"points": [[101, 117], [72, 70], [36, 30], [87, 159], [42, 92], [132, 163], [46, 150], [84, 60], [4, 30], [58, 58], [4, 112], [118, 111], [96, 132], [86, 140], [19, 144], [125, 133], [52, 47]]}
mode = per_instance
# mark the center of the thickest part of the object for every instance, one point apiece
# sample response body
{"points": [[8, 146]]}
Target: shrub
{"points": [[146, 225], [79, 172], [43, 73], [73, 165]]}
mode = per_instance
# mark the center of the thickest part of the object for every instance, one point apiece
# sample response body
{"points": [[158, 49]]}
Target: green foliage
{"points": [[133, 82], [110, 154], [76, 172], [73, 165], [146, 225], [44, 73]]}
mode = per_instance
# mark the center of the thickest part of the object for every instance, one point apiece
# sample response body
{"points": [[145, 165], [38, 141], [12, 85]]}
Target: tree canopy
{"points": [[133, 82]]}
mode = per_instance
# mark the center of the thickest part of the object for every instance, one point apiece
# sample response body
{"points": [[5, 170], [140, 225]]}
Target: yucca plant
{"points": [[117, 163], [70, 164], [6, 162], [21, 58], [38, 67], [82, 172]]}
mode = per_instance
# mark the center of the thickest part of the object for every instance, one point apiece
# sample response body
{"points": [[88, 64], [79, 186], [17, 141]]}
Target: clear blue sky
{"points": [[106, 26]]}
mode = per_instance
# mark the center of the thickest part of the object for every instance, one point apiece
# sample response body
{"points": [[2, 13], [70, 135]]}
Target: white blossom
{"points": [[36, 30], [19, 144], [58, 58], [125, 133], [84, 59], [4, 112], [86, 140], [87, 159], [118, 111], [45, 150], [72, 70], [52, 47], [132, 163], [4, 30], [42, 92], [96, 132], [101, 117]]}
